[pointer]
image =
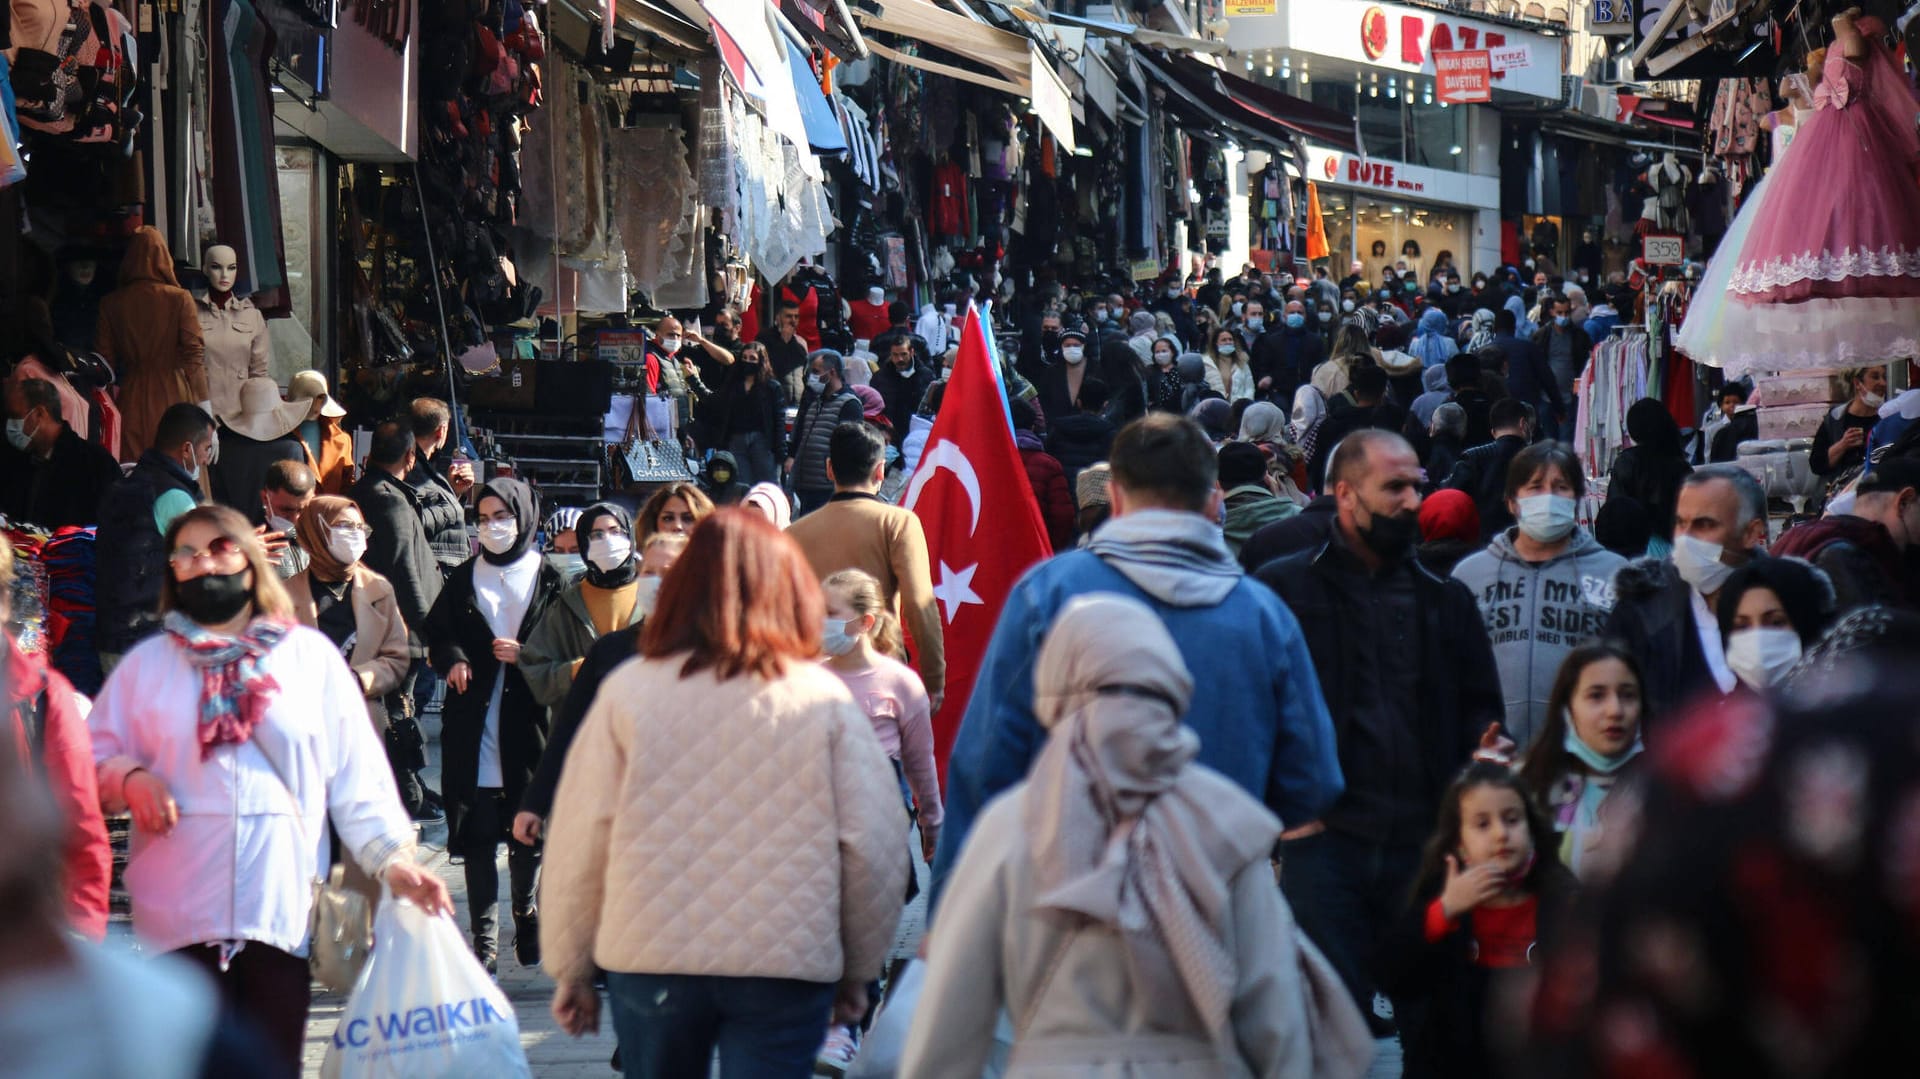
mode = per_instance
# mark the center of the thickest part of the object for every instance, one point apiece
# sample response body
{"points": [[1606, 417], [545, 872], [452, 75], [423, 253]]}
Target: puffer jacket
{"points": [[813, 434], [1536, 612], [1049, 481], [131, 561], [740, 828]]}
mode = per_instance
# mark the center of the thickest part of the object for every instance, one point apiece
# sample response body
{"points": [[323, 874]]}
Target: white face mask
{"points": [[497, 536], [193, 464], [1073, 354], [1545, 518], [1347, 306], [1226, 349], [1760, 655], [279, 524], [876, 297], [1698, 563], [646, 595], [609, 553], [346, 544], [1164, 359], [1872, 400], [670, 344], [816, 383]]}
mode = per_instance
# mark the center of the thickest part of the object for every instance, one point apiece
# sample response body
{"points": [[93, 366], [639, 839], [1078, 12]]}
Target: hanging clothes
{"points": [[1615, 377]]}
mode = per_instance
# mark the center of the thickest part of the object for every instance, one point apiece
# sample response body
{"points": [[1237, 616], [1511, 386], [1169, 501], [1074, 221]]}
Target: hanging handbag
{"points": [[651, 459], [340, 924]]}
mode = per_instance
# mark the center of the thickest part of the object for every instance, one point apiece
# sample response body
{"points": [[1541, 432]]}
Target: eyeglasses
{"points": [[352, 529], [221, 550]]}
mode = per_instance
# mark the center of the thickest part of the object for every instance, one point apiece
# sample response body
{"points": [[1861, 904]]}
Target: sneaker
{"points": [[837, 1054], [429, 813], [489, 955], [526, 938]]}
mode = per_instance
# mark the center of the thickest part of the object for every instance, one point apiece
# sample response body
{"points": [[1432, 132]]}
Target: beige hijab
{"points": [[1126, 830]]}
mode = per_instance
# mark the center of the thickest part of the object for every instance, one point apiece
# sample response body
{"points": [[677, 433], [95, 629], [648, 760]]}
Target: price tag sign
{"points": [[1663, 250]]}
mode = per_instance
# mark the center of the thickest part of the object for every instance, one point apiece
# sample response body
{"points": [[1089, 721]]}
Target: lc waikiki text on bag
{"points": [[424, 1008]]}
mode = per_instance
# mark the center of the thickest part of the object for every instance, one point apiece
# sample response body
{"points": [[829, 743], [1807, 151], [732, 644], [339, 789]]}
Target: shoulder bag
{"points": [[340, 924]]}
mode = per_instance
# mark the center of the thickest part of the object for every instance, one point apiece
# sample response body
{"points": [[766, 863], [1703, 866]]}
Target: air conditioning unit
{"points": [[1570, 88]]}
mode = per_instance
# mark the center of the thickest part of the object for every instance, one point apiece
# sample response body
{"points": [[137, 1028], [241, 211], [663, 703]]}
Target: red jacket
{"points": [[1049, 482], [65, 760]]}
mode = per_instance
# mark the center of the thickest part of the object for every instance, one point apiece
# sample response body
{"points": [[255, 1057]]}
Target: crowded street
{"points": [[959, 539]]}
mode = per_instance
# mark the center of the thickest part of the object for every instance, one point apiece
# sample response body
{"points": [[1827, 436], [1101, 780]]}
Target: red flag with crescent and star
{"points": [[977, 508]]}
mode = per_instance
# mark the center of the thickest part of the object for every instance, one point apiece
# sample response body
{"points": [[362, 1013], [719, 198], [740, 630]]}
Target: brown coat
{"points": [[334, 471], [380, 658], [887, 542], [150, 331]]}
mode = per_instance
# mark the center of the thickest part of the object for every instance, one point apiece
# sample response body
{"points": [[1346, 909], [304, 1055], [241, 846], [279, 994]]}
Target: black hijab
{"points": [[625, 572], [526, 513]]}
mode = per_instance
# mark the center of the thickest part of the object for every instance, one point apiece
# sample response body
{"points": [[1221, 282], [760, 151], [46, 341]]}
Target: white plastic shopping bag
{"points": [[886, 1042], [423, 1008]]}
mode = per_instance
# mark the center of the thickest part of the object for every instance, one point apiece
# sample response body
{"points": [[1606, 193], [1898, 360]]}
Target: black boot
{"points": [[526, 937]]}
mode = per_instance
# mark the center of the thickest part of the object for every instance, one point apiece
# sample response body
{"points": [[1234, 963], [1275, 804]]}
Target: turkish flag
{"points": [[977, 508]]}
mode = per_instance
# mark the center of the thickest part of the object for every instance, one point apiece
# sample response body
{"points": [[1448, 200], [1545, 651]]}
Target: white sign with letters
{"points": [[1663, 250]]}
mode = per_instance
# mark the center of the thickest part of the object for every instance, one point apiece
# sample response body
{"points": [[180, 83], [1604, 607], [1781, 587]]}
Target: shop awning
{"points": [[1139, 34], [1004, 52], [828, 24], [1242, 103]]}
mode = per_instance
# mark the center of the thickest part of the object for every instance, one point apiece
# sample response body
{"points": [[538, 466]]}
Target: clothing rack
{"points": [[1614, 378]]}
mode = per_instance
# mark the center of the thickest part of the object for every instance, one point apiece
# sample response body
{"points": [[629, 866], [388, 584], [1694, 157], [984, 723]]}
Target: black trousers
{"points": [[486, 827], [267, 987]]}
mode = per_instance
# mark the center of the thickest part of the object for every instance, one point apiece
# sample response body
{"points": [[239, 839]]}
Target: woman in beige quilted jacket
{"points": [[725, 840]]}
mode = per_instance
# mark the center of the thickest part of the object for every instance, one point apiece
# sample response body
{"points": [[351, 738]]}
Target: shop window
{"points": [[1386, 231], [300, 342]]}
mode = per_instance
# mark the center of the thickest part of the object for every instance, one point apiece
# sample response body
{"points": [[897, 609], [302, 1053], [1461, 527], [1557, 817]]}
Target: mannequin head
{"points": [[81, 271], [223, 269]]}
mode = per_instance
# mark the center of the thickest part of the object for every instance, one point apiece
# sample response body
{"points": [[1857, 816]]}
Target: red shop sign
{"points": [[1464, 77], [1417, 38]]}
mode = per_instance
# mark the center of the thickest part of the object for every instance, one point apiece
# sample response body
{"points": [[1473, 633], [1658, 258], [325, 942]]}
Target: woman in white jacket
{"points": [[234, 737], [1229, 368], [1118, 904]]}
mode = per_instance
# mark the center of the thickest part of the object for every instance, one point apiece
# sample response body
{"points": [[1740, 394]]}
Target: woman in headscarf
{"points": [[1524, 327], [1479, 331], [610, 595], [493, 729], [1264, 425], [1118, 904], [1431, 342], [234, 738], [1650, 470]]}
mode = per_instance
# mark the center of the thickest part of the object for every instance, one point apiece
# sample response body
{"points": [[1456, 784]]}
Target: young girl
{"points": [[861, 638], [1591, 739], [1490, 883]]}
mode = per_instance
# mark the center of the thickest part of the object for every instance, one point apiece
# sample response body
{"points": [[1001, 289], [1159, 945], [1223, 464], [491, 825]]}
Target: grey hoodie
{"points": [[1536, 612]]}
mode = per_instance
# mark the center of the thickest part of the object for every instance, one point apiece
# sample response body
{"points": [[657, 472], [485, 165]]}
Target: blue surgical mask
{"points": [[1561, 320], [1256, 324], [1295, 320], [834, 638], [1545, 518], [17, 436]]}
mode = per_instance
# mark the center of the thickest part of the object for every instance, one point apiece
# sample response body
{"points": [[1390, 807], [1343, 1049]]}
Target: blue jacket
{"points": [[1256, 700]]}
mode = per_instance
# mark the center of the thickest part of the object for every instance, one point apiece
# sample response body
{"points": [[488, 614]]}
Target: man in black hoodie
{"points": [[720, 479], [1482, 470]]}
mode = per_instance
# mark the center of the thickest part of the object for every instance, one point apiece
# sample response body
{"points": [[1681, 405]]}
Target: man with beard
{"points": [[1408, 673]]}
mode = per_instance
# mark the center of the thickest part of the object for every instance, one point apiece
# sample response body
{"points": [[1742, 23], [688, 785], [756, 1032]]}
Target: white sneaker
{"points": [[837, 1053]]}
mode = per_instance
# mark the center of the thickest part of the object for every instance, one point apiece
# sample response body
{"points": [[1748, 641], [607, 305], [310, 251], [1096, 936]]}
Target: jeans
{"points": [[1347, 893], [485, 828], [811, 500], [765, 1028]]}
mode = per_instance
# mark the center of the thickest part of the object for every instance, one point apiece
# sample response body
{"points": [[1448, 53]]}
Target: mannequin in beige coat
{"points": [[1116, 826]]}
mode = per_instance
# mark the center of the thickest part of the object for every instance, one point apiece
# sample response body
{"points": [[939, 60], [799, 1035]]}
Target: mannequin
{"points": [[867, 317], [238, 347], [150, 333]]}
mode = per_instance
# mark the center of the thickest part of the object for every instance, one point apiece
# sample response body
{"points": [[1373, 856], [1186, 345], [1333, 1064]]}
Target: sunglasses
{"points": [[221, 549]]}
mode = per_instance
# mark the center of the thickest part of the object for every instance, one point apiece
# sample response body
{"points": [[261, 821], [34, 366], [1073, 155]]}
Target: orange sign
{"points": [[1464, 77], [1373, 32]]}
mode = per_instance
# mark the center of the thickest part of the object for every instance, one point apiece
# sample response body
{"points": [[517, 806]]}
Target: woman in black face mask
{"points": [[234, 737]]}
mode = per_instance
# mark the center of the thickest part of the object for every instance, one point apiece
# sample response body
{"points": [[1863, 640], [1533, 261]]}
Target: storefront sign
{"points": [[1405, 39], [1663, 249], [1342, 169], [1463, 78], [1511, 58], [1611, 18], [1244, 8], [1146, 269]]}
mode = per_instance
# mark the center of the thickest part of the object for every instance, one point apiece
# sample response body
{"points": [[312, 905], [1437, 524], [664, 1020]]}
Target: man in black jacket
{"points": [[52, 477], [1306, 530], [439, 484], [1662, 607], [1408, 673], [902, 381], [1482, 470], [129, 548], [1285, 356], [1563, 346]]}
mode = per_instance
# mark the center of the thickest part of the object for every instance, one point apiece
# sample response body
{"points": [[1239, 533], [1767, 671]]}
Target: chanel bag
{"points": [[650, 458]]}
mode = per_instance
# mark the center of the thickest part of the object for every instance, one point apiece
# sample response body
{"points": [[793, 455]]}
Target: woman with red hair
{"points": [[725, 840]]}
